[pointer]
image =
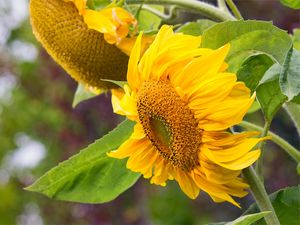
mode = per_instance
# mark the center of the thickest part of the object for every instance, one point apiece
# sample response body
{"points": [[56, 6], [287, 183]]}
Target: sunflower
{"points": [[183, 103], [82, 52]]}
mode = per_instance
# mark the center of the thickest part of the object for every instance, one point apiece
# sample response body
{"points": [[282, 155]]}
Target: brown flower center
{"points": [[169, 124]]}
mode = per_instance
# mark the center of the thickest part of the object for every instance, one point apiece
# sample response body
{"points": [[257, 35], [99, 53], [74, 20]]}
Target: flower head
{"points": [[183, 102], [81, 51]]}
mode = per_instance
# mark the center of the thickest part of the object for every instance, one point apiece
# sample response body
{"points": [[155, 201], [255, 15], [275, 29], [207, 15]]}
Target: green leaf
{"points": [[147, 21], [81, 94], [253, 69], [254, 107], [248, 38], [98, 4], [290, 75], [294, 4], [269, 94], [196, 28], [286, 203], [90, 176], [245, 220], [296, 38]]}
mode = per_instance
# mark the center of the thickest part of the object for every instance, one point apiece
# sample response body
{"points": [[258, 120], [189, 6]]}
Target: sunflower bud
{"points": [[82, 52]]}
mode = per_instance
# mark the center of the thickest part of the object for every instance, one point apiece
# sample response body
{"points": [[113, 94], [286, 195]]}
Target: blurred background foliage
{"points": [[39, 128]]}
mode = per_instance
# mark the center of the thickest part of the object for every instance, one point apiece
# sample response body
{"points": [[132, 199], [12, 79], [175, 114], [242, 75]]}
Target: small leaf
{"points": [[286, 203], [294, 4], [195, 28], [269, 94], [290, 75], [82, 93], [248, 38], [253, 69], [90, 176], [245, 220]]}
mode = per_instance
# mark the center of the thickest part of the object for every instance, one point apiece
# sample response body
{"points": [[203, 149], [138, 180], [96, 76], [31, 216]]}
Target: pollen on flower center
{"points": [[169, 124]]}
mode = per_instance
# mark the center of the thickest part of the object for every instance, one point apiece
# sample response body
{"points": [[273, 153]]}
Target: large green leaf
{"points": [[196, 28], [290, 75], [244, 220], [248, 38], [90, 176], [286, 203], [269, 94], [294, 4]]}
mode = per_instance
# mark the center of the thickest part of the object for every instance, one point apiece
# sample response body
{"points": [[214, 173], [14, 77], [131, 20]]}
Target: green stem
{"points": [[260, 195], [293, 152], [163, 16], [234, 10], [294, 111], [261, 145], [222, 5], [200, 7]]}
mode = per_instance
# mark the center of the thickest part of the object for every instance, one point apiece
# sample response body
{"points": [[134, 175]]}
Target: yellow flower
{"points": [[183, 102], [82, 52], [113, 22]]}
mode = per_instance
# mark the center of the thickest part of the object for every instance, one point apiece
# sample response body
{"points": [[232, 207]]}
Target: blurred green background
{"points": [[39, 128]]}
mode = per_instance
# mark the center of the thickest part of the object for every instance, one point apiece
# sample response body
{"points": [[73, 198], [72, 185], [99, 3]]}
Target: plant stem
{"points": [[234, 10], [261, 145], [160, 14], [294, 111], [200, 7], [260, 195], [293, 152], [222, 5]]}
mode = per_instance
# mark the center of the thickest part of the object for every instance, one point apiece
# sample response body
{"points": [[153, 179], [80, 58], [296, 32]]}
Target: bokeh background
{"points": [[39, 128]]}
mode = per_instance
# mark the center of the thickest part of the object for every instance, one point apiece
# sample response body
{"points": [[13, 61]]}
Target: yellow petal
{"points": [[133, 76], [229, 154], [99, 22], [187, 184], [228, 112], [124, 103], [128, 147]]}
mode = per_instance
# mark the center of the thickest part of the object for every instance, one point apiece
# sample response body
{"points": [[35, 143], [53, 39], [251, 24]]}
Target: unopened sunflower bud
{"points": [[82, 52]]}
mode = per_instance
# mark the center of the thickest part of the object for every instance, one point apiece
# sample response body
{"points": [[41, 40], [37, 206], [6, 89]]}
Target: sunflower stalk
{"points": [[292, 151], [260, 195], [203, 8]]}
